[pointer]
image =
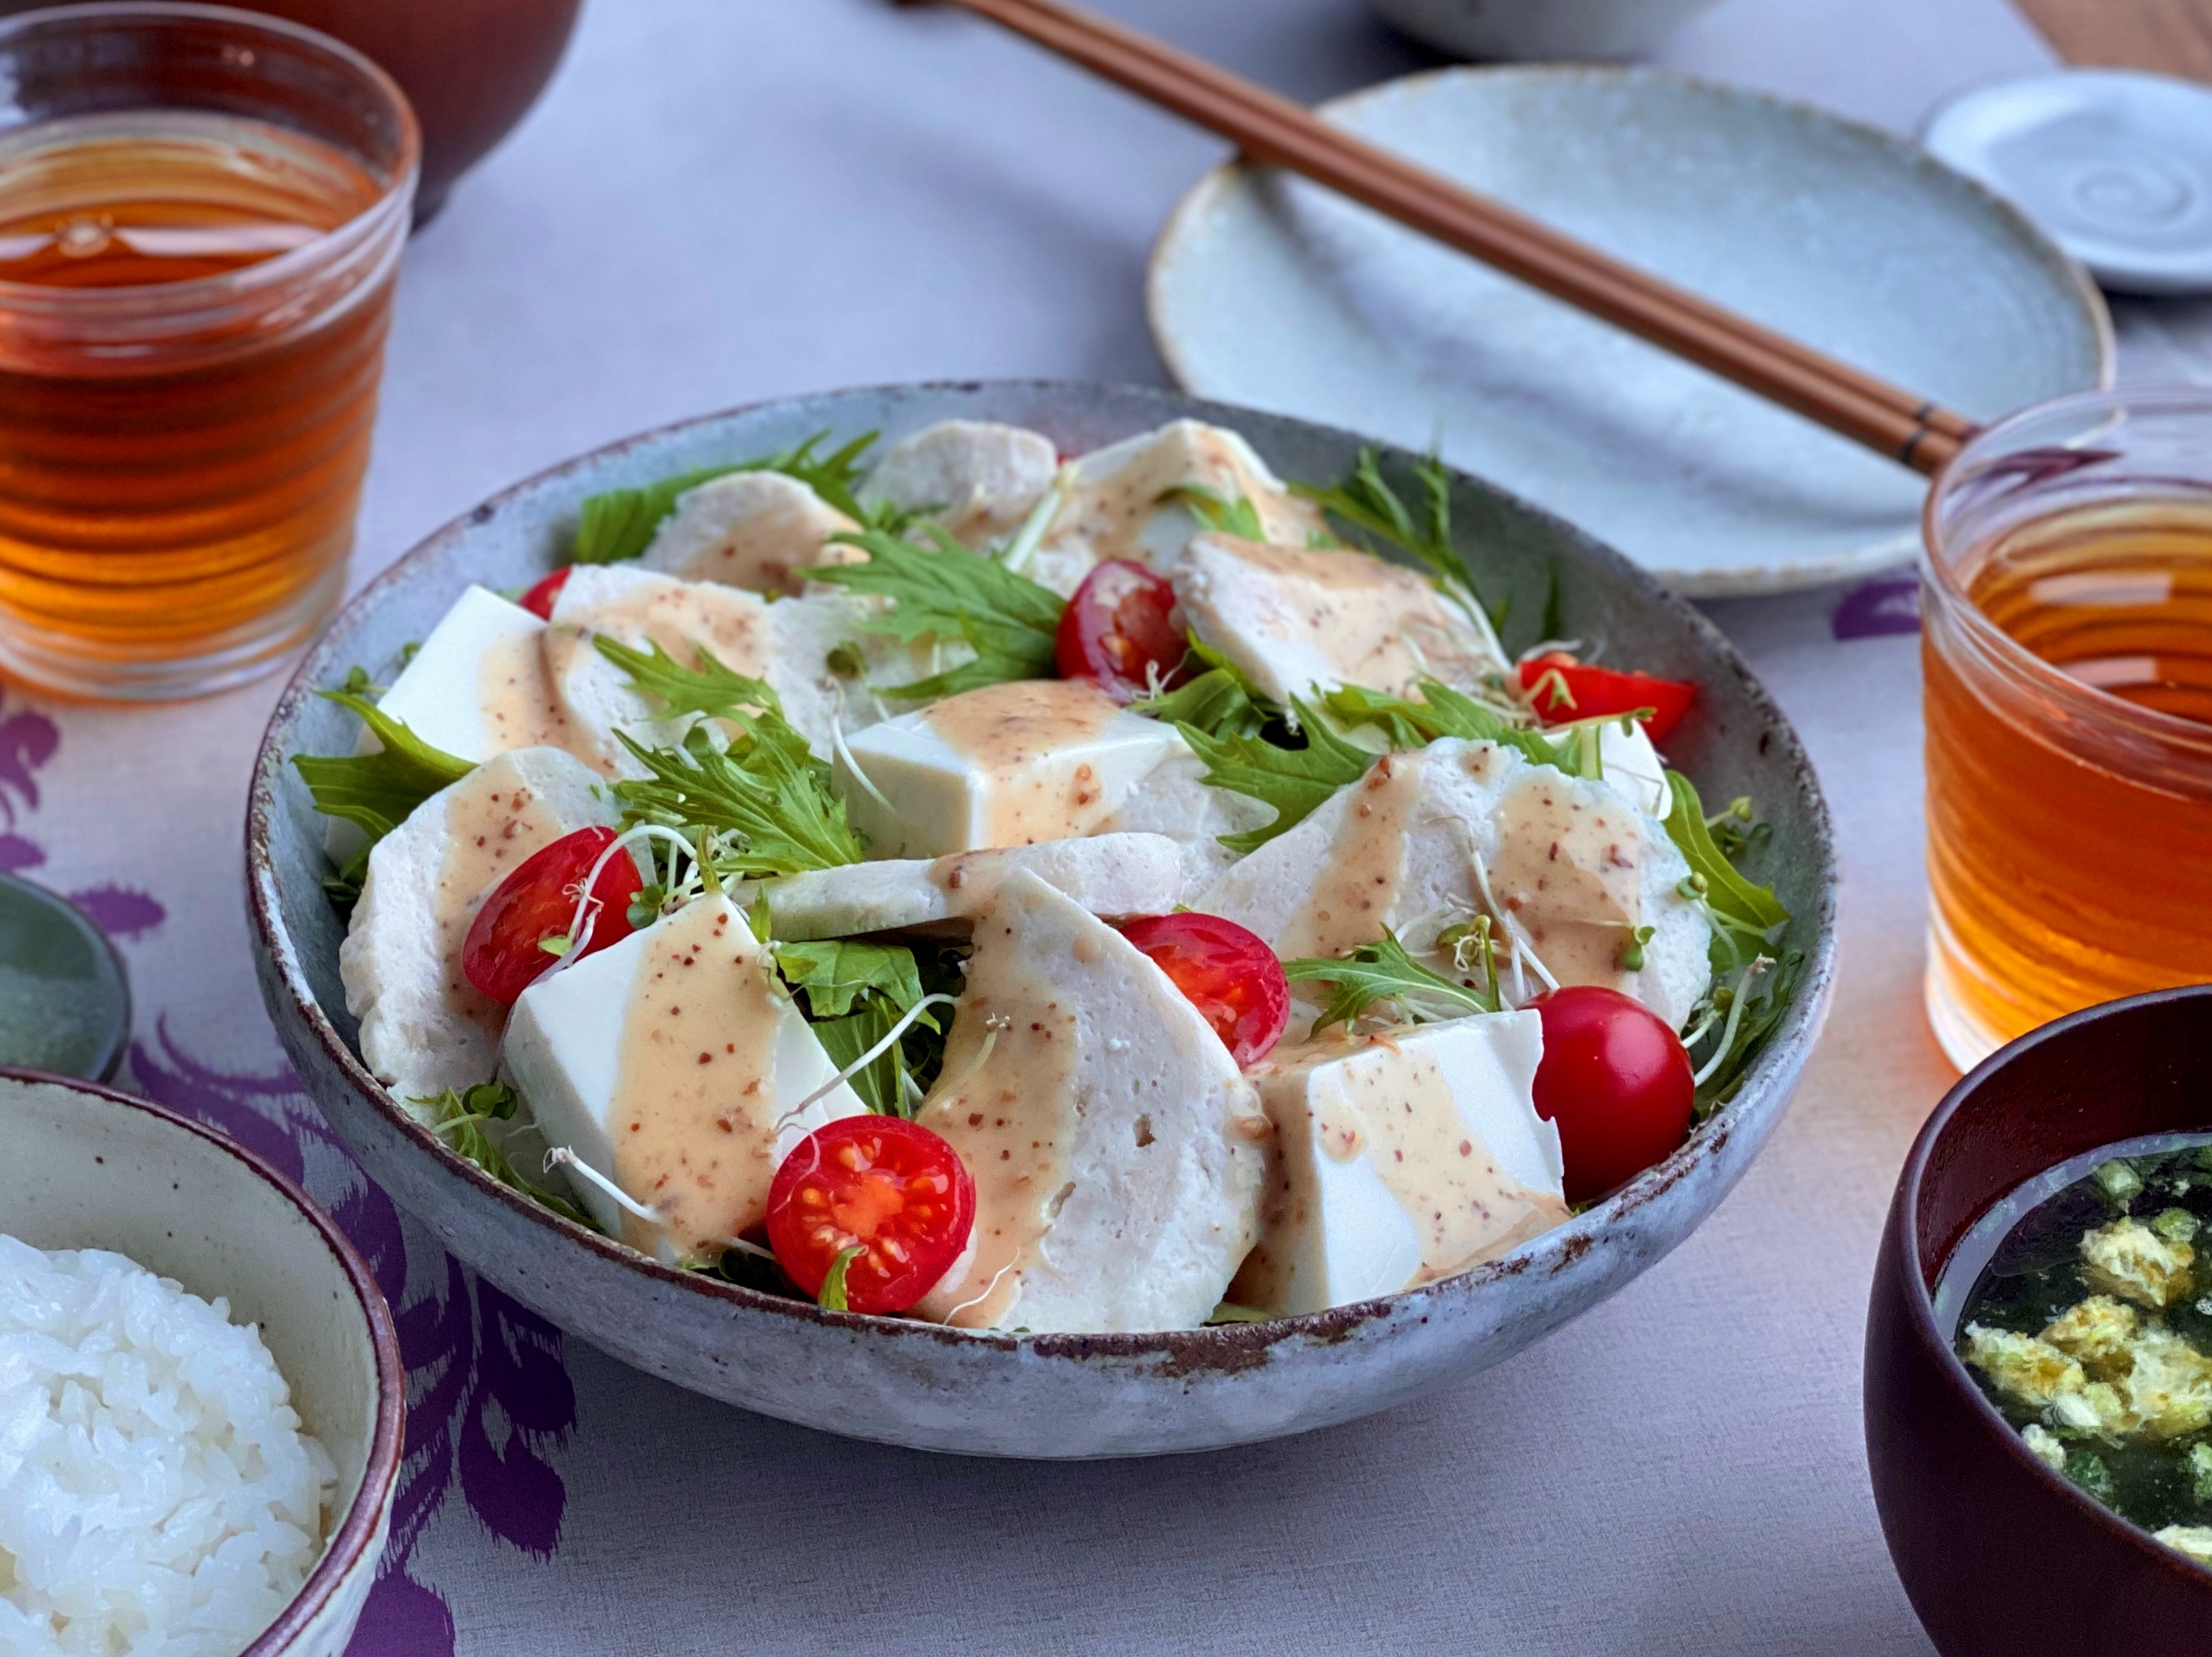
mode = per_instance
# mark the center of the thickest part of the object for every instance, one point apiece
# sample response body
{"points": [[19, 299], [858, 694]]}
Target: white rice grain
{"points": [[157, 1496]]}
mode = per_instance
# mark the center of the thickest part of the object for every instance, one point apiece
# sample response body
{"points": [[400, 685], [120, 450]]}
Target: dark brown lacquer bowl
{"points": [[1999, 1554], [471, 68]]}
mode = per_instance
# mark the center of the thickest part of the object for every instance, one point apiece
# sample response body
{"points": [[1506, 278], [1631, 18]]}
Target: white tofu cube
{"points": [[441, 695], [1114, 875], [667, 1062], [757, 529], [1008, 765], [423, 1027], [1300, 622], [1399, 1159], [976, 478], [1116, 1151]]}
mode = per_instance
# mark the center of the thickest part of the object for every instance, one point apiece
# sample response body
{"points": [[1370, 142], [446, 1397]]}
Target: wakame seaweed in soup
{"points": [[2089, 1323]]}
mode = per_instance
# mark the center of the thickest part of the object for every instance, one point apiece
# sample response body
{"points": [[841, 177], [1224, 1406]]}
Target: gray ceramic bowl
{"points": [[1055, 1395], [88, 1168]]}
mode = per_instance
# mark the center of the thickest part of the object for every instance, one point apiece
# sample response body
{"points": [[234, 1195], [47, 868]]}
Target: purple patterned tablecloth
{"points": [[724, 201]]}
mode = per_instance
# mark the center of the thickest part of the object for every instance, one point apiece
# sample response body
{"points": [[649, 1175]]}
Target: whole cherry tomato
{"points": [[1616, 1080], [890, 1188], [1121, 628], [504, 953], [1576, 692], [1228, 973], [538, 601]]}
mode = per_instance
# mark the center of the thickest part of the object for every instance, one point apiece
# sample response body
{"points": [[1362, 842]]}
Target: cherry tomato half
{"points": [[1120, 627], [538, 601], [1228, 975], [503, 954], [892, 1187], [1582, 693], [1616, 1080]]}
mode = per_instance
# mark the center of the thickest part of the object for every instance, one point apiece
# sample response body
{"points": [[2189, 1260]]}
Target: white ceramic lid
{"points": [[2116, 167]]}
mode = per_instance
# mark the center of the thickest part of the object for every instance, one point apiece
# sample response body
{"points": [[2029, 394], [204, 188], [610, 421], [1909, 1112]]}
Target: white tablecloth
{"points": [[722, 200]]}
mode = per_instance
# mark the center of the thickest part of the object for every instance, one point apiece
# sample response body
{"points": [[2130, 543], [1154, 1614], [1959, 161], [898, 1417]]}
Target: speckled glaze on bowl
{"points": [[1053, 1395], [89, 1167], [1998, 1554]]}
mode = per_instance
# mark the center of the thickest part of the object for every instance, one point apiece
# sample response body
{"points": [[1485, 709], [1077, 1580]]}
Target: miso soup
{"points": [[2082, 1303]]}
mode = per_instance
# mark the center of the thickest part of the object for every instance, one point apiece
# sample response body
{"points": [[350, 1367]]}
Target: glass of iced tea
{"points": [[2067, 585], [201, 215]]}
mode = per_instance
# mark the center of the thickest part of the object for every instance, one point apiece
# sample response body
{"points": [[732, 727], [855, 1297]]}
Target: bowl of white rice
{"points": [[202, 1403]]}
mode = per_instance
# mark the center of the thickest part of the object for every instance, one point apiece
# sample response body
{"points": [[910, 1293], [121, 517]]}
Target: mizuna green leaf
{"points": [[767, 799], [1239, 517], [1220, 701], [1383, 971], [457, 1116], [1365, 502], [709, 690], [1731, 897], [378, 792], [1442, 712], [946, 593], [1294, 780], [838, 972]]}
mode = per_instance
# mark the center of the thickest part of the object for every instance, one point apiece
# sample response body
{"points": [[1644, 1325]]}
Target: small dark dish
{"points": [[470, 67], [1999, 1554], [51, 952]]}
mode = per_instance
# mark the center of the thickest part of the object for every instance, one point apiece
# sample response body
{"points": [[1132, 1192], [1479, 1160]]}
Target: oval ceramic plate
{"points": [[1003, 1394], [1269, 291]]}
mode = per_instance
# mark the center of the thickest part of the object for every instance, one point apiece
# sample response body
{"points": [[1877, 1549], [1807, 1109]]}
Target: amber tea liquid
{"points": [[2070, 857], [178, 479]]}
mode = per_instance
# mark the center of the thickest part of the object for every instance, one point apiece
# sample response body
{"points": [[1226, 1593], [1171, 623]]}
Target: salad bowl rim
{"points": [[1228, 1346]]}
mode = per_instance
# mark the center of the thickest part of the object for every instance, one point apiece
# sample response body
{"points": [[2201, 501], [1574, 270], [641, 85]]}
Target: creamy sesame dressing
{"points": [[1569, 873], [1359, 884], [490, 830], [1009, 1118], [1109, 514], [1014, 735], [522, 709], [1375, 624], [679, 617], [771, 530], [694, 1114]]}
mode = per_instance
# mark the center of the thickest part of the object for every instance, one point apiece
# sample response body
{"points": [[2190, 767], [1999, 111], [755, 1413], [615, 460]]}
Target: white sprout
{"points": [[561, 1156], [989, 1288], [991, 1026], [1038, 524], [1479, 619], [905, 1024], [1734, 1018], [845, 754], [587, 906], [1546, 647], [1512, 926]]}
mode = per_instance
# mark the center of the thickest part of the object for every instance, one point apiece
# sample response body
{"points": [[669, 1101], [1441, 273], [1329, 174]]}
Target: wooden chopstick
{"points": [[1272, 131]]}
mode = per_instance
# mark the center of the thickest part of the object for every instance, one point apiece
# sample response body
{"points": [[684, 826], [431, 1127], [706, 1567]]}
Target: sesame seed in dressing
{"points": [[684, 1097]]}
